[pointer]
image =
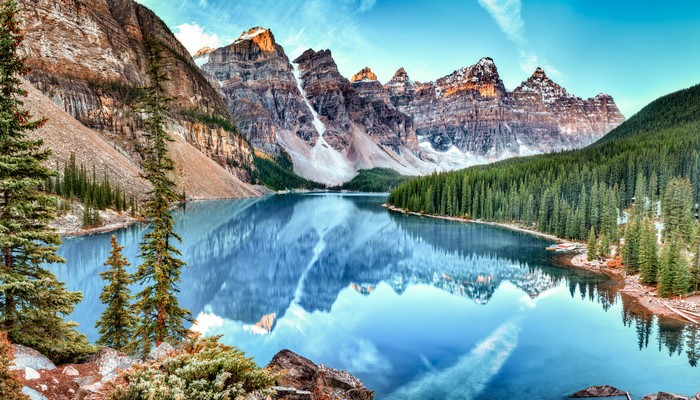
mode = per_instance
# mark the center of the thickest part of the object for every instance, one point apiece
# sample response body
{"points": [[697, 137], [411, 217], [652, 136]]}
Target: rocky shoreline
{"points": [[639, 297], [298, 377]]}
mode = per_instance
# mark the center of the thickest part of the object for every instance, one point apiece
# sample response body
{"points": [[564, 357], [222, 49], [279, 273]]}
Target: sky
{"points": [[634, 50]]}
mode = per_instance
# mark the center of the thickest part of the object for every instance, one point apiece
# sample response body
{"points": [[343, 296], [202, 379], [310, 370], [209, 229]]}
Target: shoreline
{"points": [[638, 297]]}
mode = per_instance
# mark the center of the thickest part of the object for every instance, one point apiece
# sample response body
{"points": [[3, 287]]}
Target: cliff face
{"points": [[89, 57], [329, 123], [260, 90], [472, 111], [328, 126]]}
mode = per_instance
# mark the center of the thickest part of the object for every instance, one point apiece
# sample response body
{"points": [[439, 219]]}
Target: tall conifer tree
{"points": [[161, 317], [117, 323], [33, 300]]}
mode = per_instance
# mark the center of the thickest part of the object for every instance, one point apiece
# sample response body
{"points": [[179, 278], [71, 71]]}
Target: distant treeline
{"points": [[653, 159], [74, 182]]}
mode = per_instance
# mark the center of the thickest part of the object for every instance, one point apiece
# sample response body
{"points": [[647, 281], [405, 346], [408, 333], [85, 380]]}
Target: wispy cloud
{"points": [[194, 37], [508, 17]]}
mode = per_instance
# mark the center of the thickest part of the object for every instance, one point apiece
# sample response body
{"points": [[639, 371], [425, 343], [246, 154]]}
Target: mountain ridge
{"points": [[465, 118]]}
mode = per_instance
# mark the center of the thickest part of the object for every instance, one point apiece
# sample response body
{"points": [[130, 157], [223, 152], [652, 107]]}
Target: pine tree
{"points": [[673, 273], [117, 323], [695, 266], [604, 245], [161, 317], [648, 259], [592, 248], [630, 251], [10, 386], [33, 300], [640, 197], [677, 208]]}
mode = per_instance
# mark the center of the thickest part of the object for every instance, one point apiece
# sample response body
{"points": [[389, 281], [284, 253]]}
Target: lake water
{"points": [[417, 308]]}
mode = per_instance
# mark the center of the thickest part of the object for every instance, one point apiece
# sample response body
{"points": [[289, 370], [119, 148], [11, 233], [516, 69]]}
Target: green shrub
{"points": [[201, 369]]}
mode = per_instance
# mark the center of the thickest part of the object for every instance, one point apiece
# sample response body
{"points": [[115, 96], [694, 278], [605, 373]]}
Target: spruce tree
{"points": [[604, 245], [695, 266], [631, 249], [677, 207], [673, 273], [117, 323], [33, 300], [592, 248], [161, 317], [648, 259]]}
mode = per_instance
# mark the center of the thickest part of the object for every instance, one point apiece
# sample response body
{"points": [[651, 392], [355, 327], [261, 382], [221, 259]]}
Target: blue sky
{"points": [[635, 50]]}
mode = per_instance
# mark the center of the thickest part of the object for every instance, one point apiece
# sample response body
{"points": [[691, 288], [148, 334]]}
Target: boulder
{"points": [[33, 394], [108, 361], [70, 371], [670, 396], [26, 357], [31, 374], [301, 379], [598, 391], [159, 352]]}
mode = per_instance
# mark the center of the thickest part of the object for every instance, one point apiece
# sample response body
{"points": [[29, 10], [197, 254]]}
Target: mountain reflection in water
{"points": [[416, 307]]}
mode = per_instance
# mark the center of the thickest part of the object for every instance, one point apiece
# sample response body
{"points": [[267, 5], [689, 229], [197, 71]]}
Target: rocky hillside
{"points": [[89, 57], [196, 175], [332, 126], [472, 111], [309, 110]]}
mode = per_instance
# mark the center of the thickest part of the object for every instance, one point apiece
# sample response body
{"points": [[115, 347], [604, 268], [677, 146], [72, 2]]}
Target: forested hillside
{"points": [[578, 194]]}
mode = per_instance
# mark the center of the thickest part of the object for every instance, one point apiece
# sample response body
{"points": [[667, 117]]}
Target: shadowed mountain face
{"points": [[405, 303]]}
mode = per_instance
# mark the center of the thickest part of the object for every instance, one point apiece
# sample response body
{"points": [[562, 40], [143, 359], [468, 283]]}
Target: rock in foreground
{"points": [[301, 379]]}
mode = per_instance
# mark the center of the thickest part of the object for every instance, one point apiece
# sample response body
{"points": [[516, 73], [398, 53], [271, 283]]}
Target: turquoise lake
{"points": [[417, 308]]}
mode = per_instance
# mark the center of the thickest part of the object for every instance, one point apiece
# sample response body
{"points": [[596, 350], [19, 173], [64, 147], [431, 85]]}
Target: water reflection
{"points": [[418, 308]]}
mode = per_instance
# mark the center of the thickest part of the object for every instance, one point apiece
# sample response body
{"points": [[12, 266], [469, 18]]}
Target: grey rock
{"points": [[31, 374], [598, 391], [670, 396], [27, 357], [301, 379], [159, 352], [33, 394], [108, 361], [70, 371]]}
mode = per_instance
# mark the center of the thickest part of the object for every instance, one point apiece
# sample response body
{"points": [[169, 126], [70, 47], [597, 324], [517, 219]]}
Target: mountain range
{"points": [[89, 58]]}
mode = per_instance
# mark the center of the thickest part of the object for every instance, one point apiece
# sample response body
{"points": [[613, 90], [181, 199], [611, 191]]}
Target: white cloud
{"points": [[529, 61], [508, 17], [193, 37]]}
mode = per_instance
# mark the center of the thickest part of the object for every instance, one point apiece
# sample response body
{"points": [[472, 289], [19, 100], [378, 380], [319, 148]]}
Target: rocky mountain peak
{"points": [[260, 36], [400, 77], [201, 57], [204, 51], [542, 87], [539, 74], [365, 74], [481, 78]]}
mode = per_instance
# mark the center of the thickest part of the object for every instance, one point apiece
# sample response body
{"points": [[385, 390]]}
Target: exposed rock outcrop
{"points": [[598, 391], [196, 174], [307, 108], [90, 58], [471, 110], [26, 357], [365, 74], [302, 379]]}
